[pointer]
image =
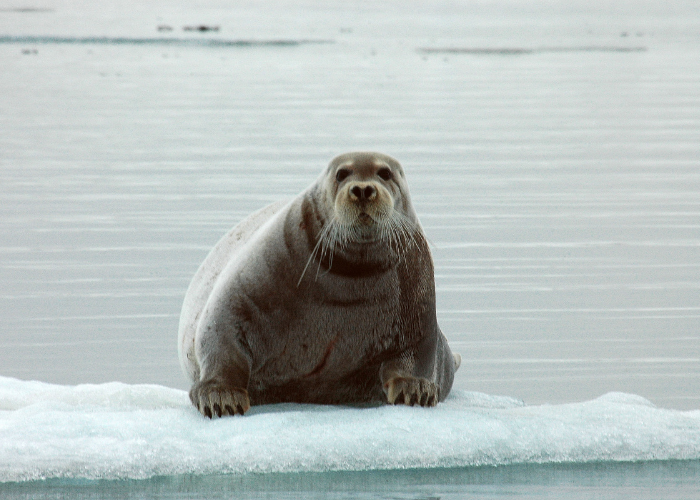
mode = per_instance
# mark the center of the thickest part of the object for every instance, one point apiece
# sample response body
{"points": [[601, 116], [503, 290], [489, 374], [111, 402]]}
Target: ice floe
{"points": [[114, 430]]}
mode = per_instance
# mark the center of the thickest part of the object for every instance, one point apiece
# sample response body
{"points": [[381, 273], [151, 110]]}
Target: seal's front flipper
{"points": [[411, 391], [216, 399], [402, 385]]}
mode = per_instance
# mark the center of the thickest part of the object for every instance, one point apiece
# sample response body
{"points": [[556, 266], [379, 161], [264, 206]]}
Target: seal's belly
{"points": [[325, 360], [360, 386]]}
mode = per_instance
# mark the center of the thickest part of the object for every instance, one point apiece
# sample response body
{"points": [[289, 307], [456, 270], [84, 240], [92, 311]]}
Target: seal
{"points": [[328, 298]]}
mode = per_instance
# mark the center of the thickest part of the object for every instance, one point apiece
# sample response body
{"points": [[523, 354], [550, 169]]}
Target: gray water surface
{"points": [[552, 154]]}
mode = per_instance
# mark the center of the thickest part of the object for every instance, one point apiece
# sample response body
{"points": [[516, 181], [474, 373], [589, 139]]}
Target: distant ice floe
{"points": [[105, 40], [115, 431], [528, 50]]}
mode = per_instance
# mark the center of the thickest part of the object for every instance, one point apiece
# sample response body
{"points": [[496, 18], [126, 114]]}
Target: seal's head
{"points": [[369, 196], [359, 211]]}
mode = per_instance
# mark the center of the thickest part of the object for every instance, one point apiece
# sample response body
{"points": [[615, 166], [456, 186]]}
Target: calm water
{"points": [[552, 159], [641, 481]]}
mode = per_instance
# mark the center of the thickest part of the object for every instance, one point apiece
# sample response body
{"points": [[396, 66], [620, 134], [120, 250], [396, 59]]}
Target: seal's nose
{"points": [[363, 193]]}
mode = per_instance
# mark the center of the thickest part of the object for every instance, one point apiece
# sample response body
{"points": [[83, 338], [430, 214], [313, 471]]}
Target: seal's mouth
{"points": [[365, 219]]}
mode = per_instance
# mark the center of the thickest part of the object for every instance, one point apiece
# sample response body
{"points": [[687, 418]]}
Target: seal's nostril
{"points": [[363, 193]]}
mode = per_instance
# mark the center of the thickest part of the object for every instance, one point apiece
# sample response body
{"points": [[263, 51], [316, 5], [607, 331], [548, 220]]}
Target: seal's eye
{"points": [[342, 174], [385, 174]]}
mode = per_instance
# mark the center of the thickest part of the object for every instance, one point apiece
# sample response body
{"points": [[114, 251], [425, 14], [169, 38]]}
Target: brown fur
{"points": [[315, 304]]}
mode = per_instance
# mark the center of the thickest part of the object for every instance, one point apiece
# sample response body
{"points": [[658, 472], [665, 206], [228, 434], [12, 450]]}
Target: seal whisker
{"points": [[319, 245], [390, 232], [408, 228], [329, 243], [399, 233]]}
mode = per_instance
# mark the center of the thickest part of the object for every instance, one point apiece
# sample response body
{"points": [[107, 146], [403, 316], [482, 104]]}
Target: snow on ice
{"points": [[114, 430]]}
